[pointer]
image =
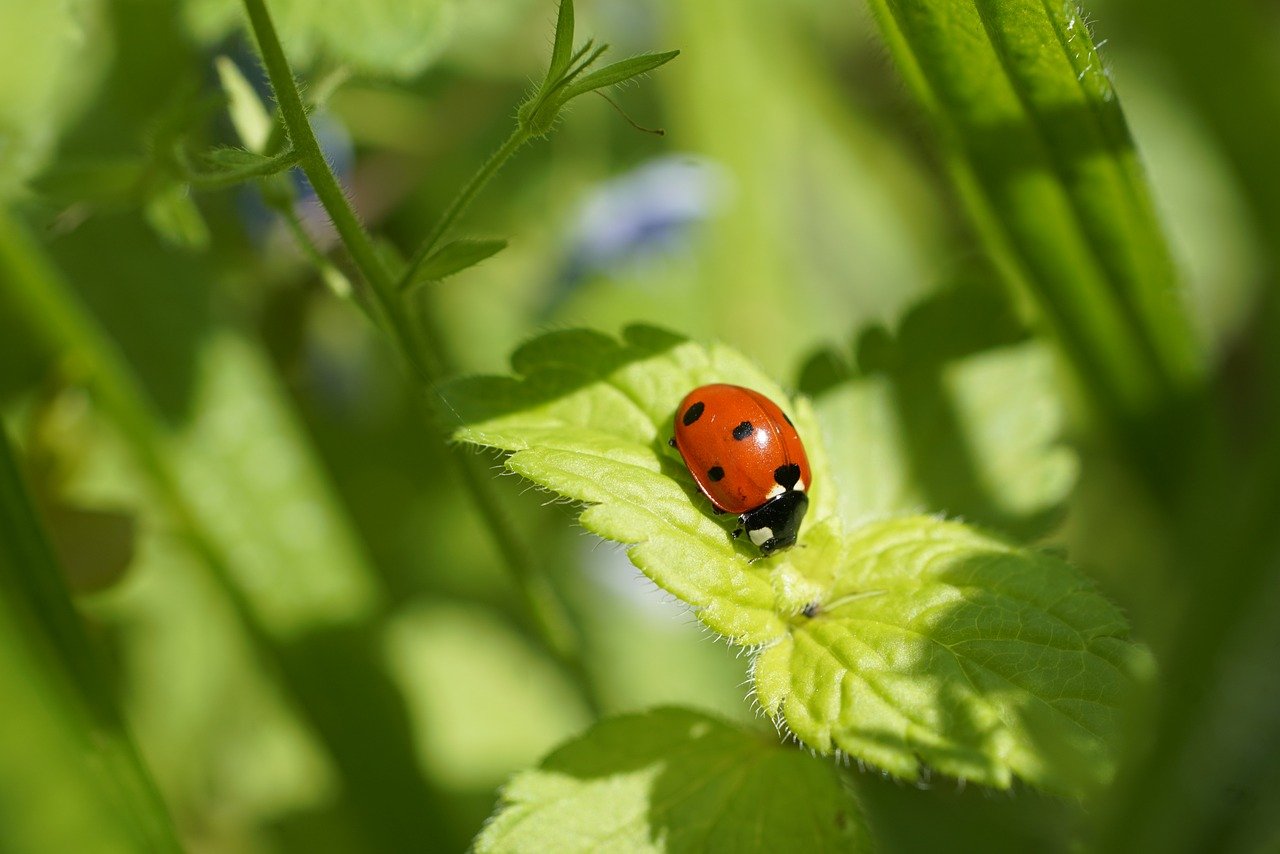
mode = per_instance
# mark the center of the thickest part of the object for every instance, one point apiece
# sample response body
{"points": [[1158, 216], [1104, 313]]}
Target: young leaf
{"points": [[618, 72], [174, 216], [562, 49], [986, 660], [675, 780], [454, 257], [237, 165], [235, 158], [249, 117]]}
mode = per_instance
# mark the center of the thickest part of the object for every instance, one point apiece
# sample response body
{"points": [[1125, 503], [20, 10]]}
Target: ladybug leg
{"points": [[716, 510], [672, 441]]}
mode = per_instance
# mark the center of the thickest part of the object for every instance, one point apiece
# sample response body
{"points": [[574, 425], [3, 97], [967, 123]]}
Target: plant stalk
{"points": [[422, 354]]}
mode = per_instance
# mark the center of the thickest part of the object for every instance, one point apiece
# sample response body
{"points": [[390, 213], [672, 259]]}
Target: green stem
{"points": [[203, 180], [47, 307], [422, 354], [385, 299], [462, 201]]}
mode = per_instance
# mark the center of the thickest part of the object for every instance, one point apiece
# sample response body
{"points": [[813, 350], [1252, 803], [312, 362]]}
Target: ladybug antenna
{"points": [[629, 120]]}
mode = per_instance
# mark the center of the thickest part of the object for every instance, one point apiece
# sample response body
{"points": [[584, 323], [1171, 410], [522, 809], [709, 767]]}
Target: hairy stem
{"points": [[422, 354], [462, 201]]}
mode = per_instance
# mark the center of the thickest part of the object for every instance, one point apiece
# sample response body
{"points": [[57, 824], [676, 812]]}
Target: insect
{"points": [[746, 456]]}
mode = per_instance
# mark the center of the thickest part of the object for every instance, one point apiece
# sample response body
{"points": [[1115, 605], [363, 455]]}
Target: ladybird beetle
{"points": [[746, 456]]}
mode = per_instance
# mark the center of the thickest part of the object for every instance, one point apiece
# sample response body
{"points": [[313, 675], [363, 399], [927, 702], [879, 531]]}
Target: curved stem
{"points": [[422, 354], [462, 201]]}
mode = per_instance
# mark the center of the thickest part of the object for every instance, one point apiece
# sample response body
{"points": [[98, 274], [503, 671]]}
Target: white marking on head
{"points": [[760, 536], [777, 490]]}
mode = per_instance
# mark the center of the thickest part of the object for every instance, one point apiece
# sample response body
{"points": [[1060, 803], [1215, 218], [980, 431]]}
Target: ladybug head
{"points": [[774, 525]]}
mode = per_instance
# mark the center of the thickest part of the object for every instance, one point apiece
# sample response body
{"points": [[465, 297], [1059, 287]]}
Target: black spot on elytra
{"points": [[787, 475], [743, 430], [693, 413], [715, 473]]}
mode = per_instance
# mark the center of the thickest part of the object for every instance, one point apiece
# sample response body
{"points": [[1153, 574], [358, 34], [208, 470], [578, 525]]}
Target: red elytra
{"points": [[746, 456]]}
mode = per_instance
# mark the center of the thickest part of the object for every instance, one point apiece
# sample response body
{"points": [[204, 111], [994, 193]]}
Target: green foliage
{"points": [[386, 37], [173, 214], [48, 70], [956, 409], [456, 256], [1036, 141], [59, 709], [936, 644], [589, 418], [264, 501], [329, 629], [675, 780], [931, 642], [567, 76]]}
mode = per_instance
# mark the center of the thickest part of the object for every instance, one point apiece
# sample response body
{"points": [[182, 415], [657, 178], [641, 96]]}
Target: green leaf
{"points": [[466, 735], [248, 115], [454, 257], [676, 780], [51, 57], [591, 420], [957, 410], [1040, 150], [379, 37], [931, 642], [562, 49], [237, 165], [250, 474], [618, 72], [60, 711], [236, 158], [173, 215], [936, 644]]}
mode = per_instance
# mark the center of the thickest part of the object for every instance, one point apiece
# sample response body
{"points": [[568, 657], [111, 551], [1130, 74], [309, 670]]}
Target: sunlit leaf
{"points": [[462, 669], [934, 644], [247, 469], [591, 421], [956, 410], [676, 780], [250, 118], [51, 57], [899, 643]]}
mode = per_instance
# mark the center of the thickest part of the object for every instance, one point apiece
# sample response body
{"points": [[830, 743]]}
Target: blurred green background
{"points": [[304, 621]]}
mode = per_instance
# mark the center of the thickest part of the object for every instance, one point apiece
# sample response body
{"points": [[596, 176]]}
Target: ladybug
{"points": [[746, 456]]}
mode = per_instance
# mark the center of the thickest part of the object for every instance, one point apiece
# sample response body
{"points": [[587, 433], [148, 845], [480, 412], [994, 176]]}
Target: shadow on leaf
{"points": [[679, 781], [965, 391]]}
